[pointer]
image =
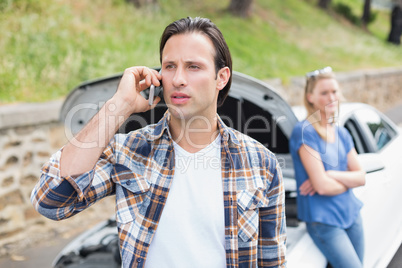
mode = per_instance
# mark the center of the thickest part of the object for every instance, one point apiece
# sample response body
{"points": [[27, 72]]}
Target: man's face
{"points": [[190, 83]]}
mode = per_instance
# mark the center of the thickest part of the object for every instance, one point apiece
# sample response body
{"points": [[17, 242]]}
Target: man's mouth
{"points": [[179, 98]]}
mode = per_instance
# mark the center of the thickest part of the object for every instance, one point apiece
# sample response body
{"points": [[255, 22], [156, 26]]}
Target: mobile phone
{"points": [[154, 91]]}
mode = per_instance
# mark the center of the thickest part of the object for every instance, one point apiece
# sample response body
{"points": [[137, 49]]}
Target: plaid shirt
{"points": [[138, 168]]}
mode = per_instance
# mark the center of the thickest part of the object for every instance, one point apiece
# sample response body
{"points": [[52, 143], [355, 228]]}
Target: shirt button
{"points": [[255, 201], [139, 260], [128, 182]]}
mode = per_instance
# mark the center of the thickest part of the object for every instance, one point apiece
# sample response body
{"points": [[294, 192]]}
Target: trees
{"points": [[139, 3], [324, 4], [395, 33], [347, 12], [241, 8], [366, 13]]}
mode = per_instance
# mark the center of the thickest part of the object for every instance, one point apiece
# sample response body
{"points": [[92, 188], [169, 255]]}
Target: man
{"points": [[190, 192]]}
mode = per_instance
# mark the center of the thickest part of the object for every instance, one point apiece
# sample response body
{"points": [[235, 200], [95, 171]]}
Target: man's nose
{"points": [[180, 79]]}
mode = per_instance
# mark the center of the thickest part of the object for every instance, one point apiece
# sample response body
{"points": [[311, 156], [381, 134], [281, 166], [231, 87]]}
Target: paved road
{"points": [[397, 260], [41, 255]]}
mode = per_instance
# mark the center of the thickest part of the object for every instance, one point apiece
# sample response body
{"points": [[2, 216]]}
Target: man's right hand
{"points": [[134, 80], [83, 152]]}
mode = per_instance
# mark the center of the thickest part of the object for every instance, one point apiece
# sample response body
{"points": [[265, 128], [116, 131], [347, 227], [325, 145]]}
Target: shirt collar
{"points": [[227, 133], [160, 128]]}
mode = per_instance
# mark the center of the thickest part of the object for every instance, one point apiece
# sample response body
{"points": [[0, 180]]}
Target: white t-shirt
{"points": [[191, 230]]}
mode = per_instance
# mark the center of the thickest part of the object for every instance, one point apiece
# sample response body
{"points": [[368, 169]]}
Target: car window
{"points": [[358, 140], [379, 129]]}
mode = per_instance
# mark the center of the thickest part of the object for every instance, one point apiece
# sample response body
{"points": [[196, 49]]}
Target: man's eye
{"points": [[194, 67]]}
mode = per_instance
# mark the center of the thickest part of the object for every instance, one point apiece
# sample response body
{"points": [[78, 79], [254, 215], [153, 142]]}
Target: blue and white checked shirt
{"points": [[138, 168]]}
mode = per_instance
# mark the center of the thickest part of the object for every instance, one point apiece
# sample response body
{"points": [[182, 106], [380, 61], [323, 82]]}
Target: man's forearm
{"points": [[83, 151]]}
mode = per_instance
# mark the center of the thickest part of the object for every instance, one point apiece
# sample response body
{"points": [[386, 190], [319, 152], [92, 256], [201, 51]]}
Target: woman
{"points": [[327, 168]]}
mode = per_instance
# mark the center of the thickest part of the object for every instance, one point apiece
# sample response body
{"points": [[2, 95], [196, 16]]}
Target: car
{"points": [[257, 110]]}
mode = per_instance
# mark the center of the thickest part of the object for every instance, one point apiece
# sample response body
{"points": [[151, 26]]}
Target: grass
{"points": [[49, 47]]}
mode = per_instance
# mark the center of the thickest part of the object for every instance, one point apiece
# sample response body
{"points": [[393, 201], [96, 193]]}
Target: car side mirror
{"points": [[371, 162]]}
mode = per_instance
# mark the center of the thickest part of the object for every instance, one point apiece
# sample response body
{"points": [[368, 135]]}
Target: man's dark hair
{"points": [[205, 26]]}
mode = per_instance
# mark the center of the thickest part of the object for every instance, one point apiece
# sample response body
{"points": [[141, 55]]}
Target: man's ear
{"points": [[223, 77]]}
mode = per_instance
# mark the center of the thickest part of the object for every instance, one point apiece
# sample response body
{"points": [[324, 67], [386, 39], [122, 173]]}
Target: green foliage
{"points": [[373, 17], [346, 11], [49, 47]]}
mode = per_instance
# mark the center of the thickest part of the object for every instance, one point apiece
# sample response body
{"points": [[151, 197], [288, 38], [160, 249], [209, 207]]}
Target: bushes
{"points": [[346, 11]]}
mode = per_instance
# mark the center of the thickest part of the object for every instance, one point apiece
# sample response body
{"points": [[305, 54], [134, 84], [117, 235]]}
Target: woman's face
{"points": [[325, 96]]}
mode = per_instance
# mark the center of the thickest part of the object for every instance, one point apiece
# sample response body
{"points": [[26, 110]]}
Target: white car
{"points": [[256, 109]]}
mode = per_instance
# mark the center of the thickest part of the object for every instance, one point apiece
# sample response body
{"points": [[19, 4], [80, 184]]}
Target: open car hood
{"points": [[252, 107]]}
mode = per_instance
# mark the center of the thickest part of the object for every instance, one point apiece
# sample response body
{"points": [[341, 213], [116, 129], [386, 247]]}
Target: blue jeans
{"points": [[343, 248]]}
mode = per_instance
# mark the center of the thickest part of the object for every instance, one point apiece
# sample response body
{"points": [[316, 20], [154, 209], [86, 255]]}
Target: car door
{"points": [[375, 140]]}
